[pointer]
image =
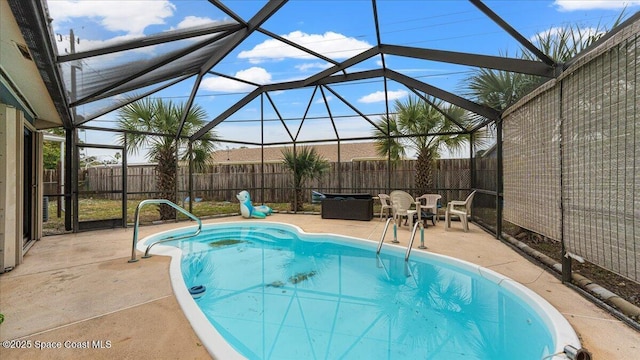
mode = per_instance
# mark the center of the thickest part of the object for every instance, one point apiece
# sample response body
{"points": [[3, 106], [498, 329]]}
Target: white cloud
{"points": [[90, 65], [131, 16], [572, 5], [256, 75], [193, 21], [90, 44], [313, 66], [378, 96], [321, 100], [330, 44]]}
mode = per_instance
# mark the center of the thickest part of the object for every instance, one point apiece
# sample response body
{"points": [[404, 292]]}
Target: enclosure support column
{"points": [[76, 157], [499, 178], [125, 178], [566, 260], [59, 182], [262, 148], [295, 171], [339, 169], [68, 178], [566, 265], [190, 181], [388, 171], [74, 178], [471, 162], [175, 188], [262, 198], [386, 111]]}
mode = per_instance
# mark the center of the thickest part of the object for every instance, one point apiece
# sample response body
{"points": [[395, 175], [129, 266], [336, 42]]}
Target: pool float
{"points": [[248, 210]]}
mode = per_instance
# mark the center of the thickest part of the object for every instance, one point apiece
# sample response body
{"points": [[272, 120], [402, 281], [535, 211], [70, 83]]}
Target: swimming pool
{"points": [[275, 292]]}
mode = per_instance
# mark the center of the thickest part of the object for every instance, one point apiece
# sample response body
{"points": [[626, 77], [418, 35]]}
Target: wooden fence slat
{"points": [[221, 182]]}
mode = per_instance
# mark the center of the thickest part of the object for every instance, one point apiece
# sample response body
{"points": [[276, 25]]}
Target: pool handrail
{"points": [[384, 233], [137, 224], [413, 237]]}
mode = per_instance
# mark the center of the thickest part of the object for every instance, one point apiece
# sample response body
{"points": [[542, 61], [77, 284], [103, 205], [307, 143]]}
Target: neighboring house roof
{"points": [[492, 151], [348, 152]]}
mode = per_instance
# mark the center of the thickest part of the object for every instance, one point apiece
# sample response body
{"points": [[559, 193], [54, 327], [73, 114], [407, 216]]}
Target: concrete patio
{"points": [[78, 291]]}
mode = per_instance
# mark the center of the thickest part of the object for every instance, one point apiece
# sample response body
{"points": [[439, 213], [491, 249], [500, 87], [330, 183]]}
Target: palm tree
{"points": [[501, 89], [409, 128], [158, 116], [305, 163]]}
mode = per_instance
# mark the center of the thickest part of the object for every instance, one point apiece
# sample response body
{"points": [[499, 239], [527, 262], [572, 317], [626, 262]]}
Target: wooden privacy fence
{"points": [[50, 182], [271, 182]]}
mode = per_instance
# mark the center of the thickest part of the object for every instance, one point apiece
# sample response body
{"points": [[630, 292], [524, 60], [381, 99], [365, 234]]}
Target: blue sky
{"points": [[336, 29]]}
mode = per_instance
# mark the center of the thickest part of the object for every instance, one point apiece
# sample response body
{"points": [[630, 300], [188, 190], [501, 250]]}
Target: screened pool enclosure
{"points": [[561, 162]]}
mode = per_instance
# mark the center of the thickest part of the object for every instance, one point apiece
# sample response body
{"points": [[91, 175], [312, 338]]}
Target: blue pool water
{"points": [[275, 293]]}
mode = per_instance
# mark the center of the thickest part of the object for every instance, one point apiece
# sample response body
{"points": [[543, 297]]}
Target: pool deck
{"points": [[78, 290]]}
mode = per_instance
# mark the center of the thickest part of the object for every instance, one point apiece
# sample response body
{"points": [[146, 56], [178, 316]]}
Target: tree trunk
{"points": [[297, 202], [424, 171], [166, 173]]}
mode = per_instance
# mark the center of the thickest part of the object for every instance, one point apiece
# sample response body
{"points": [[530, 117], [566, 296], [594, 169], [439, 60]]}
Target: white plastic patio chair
{"points": [[402, 203], [430, 204], [463, 214], [385, 202]]}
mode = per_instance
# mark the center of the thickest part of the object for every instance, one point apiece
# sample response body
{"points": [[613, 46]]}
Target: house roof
{"points": [[348, 152], [27, 75]]}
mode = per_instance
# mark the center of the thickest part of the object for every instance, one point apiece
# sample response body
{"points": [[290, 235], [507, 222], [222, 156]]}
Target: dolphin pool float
{"points": [[248, 210]]}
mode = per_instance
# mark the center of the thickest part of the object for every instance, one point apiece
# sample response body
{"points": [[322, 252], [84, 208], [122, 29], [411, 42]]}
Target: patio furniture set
{"points": [[401, 204], [398, 204]]}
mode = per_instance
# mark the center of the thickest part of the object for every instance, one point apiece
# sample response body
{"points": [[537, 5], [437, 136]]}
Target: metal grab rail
{"points": [[413, 236], [137, 223], [384, 232]]}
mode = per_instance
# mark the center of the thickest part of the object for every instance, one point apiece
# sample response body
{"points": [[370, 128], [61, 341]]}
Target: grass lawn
{"points": [[99, 209]]}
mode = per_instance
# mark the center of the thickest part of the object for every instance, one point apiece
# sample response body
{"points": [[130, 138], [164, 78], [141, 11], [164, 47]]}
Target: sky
{"points": [[335, 29]]}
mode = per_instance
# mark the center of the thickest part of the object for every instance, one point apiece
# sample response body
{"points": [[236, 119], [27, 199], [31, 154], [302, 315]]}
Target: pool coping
{"points": [[562, 332]]}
